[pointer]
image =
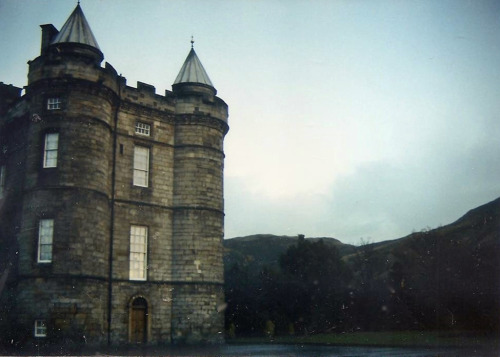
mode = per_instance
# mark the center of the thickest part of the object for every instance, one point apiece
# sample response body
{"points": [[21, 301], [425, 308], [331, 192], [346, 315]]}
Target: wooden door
{"points": [[138, 322]]}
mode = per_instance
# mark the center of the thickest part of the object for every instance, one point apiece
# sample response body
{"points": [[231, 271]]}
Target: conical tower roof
{"points": [[76, 30], [192, 71]]}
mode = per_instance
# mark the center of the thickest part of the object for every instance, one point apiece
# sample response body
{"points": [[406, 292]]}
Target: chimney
{"points": [[48, 34]]}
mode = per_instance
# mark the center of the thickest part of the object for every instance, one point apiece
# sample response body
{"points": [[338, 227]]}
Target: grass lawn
{"points": [[396, 339]]}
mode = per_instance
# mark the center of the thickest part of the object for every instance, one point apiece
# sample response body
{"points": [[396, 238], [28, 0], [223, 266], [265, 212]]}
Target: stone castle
{"points": [[111, 201]]}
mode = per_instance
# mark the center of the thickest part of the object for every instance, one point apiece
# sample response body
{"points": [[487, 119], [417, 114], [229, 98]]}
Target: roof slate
{"points": [[76, 30], [192, 71]]}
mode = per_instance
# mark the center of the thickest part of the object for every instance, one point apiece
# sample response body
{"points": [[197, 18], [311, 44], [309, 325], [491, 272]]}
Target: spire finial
{"points": [[192, 41], [78, 3]]}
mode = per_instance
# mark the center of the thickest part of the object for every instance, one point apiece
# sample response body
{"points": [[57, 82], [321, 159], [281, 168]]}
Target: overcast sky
{"points": [[348, 119]]}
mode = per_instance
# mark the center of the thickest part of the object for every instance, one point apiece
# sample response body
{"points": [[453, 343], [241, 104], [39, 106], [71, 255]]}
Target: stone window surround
{"points": [[40, 328], [138, 252], [45, 239], [142, 128], [54, 103], [141, 166], [50, 149]]}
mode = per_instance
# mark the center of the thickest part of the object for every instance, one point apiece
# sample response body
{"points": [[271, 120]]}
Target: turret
{"points": [[192, 78], [198, 229], [67, 186], [75, 38], [74, 43], [195, 93]]}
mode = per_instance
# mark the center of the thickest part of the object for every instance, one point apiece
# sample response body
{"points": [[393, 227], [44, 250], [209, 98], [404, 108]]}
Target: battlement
{"points": [[9, 91], [145, 95], [8, 95]]}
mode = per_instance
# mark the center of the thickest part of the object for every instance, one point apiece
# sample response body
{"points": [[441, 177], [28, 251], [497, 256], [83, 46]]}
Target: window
{"points": [[141, 166], [2, 181], [142, 128], [53, 103], [45, 235], [138, 252], [50, 151], [40, 328]]}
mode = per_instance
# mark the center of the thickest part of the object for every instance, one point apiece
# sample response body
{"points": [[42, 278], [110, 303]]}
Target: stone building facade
{"points": [[111, 201]]}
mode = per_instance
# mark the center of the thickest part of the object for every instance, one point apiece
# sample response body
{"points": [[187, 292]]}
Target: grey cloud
{"points": [[379, 200]]}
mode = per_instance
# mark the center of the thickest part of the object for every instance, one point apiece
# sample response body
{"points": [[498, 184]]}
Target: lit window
{"points": [[142, 128], [138, 252], [40, 328], [45, 237], [141, 166], [50, 151], [2, 180], [53, 103]]}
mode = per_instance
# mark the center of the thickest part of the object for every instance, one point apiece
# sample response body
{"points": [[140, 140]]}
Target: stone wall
{"points": [[160, 143], [200, 315], [74, 308], [197, 247], [91, 197], [80, 244], [159, 301], [159, 223]]}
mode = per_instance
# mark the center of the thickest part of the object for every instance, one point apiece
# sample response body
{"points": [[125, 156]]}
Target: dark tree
{"points": [[314, 289]]}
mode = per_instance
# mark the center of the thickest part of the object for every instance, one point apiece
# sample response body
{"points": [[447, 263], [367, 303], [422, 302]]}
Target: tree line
{"points": [[314, 289]]}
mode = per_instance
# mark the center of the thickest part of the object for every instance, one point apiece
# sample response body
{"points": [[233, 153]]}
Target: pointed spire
{"points": [[76, 30], [192, 70]]}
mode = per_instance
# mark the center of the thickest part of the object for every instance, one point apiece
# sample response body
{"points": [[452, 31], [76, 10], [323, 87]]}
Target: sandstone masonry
{"points": [[111, 201]]}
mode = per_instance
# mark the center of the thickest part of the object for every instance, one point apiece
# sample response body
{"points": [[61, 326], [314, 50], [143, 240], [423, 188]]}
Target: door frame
{"points": [[147, 318]]}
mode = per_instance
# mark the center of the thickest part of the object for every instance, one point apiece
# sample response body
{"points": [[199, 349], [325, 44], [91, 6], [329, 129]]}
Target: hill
{"points": [[478, 226], [477, 229], [447, 277], [263, 250]]}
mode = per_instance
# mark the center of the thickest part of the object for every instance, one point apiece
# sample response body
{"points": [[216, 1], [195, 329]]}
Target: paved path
{"points": [[268, 350]]}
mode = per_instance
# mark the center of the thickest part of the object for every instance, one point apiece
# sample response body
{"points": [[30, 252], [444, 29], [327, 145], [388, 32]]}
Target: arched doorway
{"points": [[138, 320]]}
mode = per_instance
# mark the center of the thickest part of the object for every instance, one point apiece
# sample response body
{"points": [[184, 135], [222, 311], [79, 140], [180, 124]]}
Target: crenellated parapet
{"points": [[145, 96], [8, 95]]}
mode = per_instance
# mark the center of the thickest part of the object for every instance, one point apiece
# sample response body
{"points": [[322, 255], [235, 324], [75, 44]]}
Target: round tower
{"points": [[198, 223], [64, 239]]}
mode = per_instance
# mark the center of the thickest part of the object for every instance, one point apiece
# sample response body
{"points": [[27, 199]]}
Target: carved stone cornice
{"points": [[200, 147], [69, 84], [204, 120], [142, 110]]}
